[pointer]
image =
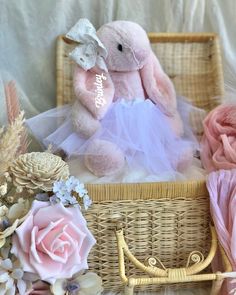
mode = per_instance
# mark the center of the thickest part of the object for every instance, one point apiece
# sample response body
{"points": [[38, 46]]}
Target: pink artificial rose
{"points": [[53, 242]]}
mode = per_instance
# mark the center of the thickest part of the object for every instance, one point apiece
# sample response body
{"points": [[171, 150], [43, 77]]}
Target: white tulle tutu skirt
{"points": [[138, 128]]}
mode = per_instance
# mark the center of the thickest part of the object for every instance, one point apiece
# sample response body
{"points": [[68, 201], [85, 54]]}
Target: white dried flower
{"points": [[19, 189], [18, 210], [10, 199], [7, 177], [11, 218], [11, 277], [3, 211], [85, 284], [7, 232], [3, 189], [71, 192], [38, 171]]}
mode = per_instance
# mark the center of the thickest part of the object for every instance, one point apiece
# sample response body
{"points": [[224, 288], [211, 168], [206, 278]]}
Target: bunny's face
{"points": [[127, 45]]}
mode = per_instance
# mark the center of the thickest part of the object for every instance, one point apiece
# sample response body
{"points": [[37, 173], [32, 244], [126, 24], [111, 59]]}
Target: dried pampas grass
{"points": [[10, 142], [12, 101], [13, 111], [13, 138]]}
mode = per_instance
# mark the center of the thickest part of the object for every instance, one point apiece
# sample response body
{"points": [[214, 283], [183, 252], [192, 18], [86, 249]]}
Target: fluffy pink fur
{"points": [[80, 116], [108, 158], [85, 90], [133, 72]]}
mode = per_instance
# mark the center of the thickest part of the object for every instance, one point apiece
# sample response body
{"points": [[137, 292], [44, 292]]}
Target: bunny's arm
{"points": [[94, 89]]}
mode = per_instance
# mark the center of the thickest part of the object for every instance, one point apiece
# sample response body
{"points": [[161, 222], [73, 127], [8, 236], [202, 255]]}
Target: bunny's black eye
{"points": [[119, 47]]}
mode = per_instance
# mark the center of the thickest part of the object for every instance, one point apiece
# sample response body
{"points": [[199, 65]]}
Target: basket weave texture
{"points": [[166, 220], [162, 220]]}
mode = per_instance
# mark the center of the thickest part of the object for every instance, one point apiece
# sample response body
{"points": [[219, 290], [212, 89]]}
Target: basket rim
{"points": [[183, 37], [185, 190], [166, 37]]}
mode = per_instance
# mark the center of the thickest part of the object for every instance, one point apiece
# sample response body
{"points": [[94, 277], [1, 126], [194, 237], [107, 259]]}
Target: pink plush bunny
{"points": [[133, 72]]}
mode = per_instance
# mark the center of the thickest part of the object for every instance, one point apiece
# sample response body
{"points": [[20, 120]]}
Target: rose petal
{"points": [[33, 249], [46, 215], [23, 233], [74, 264], [57, 258], [37, 205], [21, 255], [77, 217], [48, 270], [87, 245], [43, 232], [49, 240], [77, 233], [73, 243], [58, 245]]}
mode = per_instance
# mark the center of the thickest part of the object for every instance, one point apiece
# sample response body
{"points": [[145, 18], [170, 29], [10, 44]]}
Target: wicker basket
{"points": [[168, 220]]}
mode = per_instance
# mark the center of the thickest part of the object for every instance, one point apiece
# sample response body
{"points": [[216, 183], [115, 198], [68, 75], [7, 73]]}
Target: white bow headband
{"points": [[90, 51]]}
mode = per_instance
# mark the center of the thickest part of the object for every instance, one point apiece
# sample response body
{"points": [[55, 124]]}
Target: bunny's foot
{"points": [[104, 158]]}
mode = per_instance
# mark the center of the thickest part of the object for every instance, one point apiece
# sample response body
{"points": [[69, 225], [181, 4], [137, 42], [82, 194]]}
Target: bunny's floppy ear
{"points": [[160, 90], [94, 89], [158, 85]]}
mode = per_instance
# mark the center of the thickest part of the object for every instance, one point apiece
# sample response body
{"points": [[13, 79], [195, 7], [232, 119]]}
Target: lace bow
{"points": [[90, 52]]}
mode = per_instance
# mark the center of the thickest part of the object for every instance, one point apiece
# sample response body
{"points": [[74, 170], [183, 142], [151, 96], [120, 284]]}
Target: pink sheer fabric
{"points": [[219, 139], [222, 189]]}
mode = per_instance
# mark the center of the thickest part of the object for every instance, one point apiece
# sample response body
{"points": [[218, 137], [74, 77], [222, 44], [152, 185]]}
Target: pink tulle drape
{"points": [[222, 189]]}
